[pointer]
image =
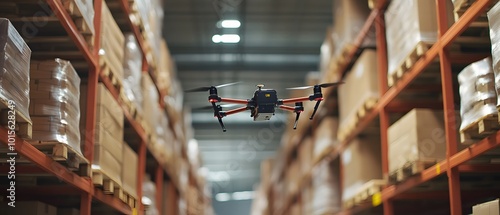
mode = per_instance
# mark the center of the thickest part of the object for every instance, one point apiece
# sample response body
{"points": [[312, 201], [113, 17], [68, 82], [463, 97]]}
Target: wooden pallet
{"points": [[420, 49], [367, 106], [460, 6], [108, 72], [65, 155], [23, 125], [129, 200], [109, 186], [82, 25], [409, 169], [365, 193], [479, 129]]}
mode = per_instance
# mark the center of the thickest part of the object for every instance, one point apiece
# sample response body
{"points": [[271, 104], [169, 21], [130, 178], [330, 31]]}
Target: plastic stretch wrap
{"points": [[86, 11], [132, 70], [478, 96], [151, 14], [494, 22], [409, 22], [149, 196], [150, 101], [349, 18], [14, 68], [55, 96]]}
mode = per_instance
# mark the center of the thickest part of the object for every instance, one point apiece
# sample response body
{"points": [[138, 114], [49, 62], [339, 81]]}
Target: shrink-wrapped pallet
{"points": [[151, 15], [361, 162], [14, 69], [112, 42], [132, 70], [54, 106], [418, 136], [408, 23], [494, 23], [478, 98], [150, 101], [349, 18], [360, 91]]}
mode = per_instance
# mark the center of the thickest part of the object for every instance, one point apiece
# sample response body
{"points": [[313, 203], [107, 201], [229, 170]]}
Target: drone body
{"points": [[263, 103]]}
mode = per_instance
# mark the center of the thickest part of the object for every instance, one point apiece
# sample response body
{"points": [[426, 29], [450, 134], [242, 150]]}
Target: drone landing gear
{"points": [[297, 110]]}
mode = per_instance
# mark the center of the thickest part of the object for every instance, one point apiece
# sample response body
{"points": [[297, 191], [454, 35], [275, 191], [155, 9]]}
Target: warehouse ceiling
{"points": [[279, 45]]}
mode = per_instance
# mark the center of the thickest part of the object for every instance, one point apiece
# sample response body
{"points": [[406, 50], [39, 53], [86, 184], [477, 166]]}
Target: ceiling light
{"points": [[223, 197], [226, 38], [243, 195], [230, 24]]}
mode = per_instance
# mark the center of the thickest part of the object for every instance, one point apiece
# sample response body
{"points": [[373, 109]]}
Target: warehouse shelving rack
{"points": [[82, 186], [455, 162]]}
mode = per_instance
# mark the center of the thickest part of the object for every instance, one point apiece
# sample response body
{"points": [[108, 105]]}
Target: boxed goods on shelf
{"points": [[132, 71], [305, 155], [266, 168], [325, 136], [150, 102], [359, 93], [411, 28], [83, 11], [129, 171], [14, 70], [349, 17], [54, 107], [293, 178], [478, 100], [164, 72], [112, 42], [494, 23], [151, 15], [361, 162], [325, 192], [29, 207], [418, 138], [487, 208], [108, 145]]}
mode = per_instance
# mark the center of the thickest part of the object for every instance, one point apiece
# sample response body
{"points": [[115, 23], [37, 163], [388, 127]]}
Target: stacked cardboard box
{"points": [[54, 107], [325, 193], [361, 162], [150, 101], [325, 135], [112, 41], [487, 208], [305, 155], [151, 15], [108, 145], [417, 137], [132, 70], [408, 23], [494, 23], [164, 72], [359, 91], [129, 171], [14, 69], [478, 97]]}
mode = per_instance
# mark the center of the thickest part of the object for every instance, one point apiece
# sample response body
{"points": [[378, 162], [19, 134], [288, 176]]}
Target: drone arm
{"points": [[234, 111], [299, 99], [285, 107], [235, 101]]}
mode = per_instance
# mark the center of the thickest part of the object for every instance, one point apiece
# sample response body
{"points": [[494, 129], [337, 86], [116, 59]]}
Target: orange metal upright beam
{"points": [[384, 116], [449, 111], [159, 188], [141, 171]]}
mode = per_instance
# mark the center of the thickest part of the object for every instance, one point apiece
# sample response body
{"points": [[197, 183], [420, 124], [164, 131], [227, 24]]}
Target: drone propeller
{"points": [[210, 107], [202, 89], [324, 85]]}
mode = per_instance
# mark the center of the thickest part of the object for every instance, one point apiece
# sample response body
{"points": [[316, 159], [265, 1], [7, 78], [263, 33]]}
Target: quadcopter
{"points": [[264, 102]]}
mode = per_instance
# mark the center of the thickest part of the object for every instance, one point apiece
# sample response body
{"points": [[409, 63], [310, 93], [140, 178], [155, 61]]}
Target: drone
{"points": [[263, 103]]}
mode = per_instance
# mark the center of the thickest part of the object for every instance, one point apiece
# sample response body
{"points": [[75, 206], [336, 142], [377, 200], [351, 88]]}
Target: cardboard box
{"points": [[361, 162], [487, 208], [129, 171], [306, 155], [417, 136], [109, 113], [29, 207], [106, 163], [325, 135], [325, 189]]}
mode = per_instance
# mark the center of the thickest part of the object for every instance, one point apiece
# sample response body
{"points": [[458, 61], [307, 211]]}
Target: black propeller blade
{"points": [[324, 85], [209, 107], [203, 89]]}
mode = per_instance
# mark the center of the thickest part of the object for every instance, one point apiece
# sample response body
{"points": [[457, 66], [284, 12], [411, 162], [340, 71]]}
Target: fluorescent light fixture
{"points": [[223, 197], [243, 195], [226, 38], [230, 23]]}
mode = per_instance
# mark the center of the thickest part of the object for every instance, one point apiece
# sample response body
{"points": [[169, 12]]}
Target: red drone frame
{"points": [[262, 105]]}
